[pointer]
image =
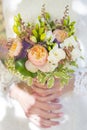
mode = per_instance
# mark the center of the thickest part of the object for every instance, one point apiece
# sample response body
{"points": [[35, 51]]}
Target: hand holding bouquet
{"points": [[44, 50]]}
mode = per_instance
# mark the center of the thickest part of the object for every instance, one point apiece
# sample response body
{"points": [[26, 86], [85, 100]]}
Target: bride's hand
{"points": [[52, 93], [40, 113]]}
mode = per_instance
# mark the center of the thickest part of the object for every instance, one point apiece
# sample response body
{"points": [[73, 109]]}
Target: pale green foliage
{"points": [[69, 26], [50, 82]]}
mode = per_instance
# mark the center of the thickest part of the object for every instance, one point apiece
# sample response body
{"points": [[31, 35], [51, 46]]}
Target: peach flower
{"points": [[16, 48], [38, 55], [60, 35]]}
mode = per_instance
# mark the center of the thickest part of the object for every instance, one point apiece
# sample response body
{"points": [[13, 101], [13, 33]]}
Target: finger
{"points": [[42, 122], [56, 100], [44, 92], [48, 122], [48, 106], [36, 83], [38, 121], [52, 97], [44, 114]]}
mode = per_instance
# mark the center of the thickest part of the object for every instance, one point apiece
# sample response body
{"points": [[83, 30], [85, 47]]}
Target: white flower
{"points": [[56, 54], [76, 53], [69, 42], [48, 67], [30, 67], [49, 35]]}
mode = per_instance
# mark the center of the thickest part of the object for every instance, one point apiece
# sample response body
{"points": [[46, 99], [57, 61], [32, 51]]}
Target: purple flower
{"points": [[56, 41], [23, 53]]}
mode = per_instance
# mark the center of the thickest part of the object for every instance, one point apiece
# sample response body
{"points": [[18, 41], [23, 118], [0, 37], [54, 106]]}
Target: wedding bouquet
{"points": [[44, 50]]}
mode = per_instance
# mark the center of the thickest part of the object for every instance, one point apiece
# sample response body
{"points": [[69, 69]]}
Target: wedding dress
{"points": [[74, 103]]}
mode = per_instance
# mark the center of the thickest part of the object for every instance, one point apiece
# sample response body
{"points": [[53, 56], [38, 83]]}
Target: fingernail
{"points": [[60, 105], [56, 100], [60, 114], [56, 123]]}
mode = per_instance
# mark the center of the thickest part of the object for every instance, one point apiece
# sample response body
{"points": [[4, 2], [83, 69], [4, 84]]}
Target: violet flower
{"points": [[55, 40], [23, 52]]}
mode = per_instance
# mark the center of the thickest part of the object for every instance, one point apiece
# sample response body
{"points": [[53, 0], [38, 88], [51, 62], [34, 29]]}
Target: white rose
{"points": [[69, 42], [76, 53], [50, 35], [56, 54], [30, 67], [48, 67]]}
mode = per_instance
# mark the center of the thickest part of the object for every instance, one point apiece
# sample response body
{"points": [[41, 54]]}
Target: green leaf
{"points": [[39, 18], [47, 15], [30, 81], [57, 74], [42, 24], [40, 76], [41, 30], [15, 29], [73, 63], [35, 33], [65, 22], [16, 19], [20, 66], [72, 23], [37, 27], [49, 48], [68, 20], [42, 37], [50, 82], [17, 24], [33, 39], [19, 16]]}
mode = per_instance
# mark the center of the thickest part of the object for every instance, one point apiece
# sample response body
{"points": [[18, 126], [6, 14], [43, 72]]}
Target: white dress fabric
{"points": [[6, 80], [74, 103]]}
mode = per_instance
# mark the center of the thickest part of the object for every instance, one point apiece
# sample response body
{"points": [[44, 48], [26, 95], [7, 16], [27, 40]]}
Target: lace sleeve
{"points": [[6, 79], [81, 81]]}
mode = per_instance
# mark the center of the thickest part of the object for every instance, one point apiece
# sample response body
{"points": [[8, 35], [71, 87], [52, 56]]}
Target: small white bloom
{"points": [[48, 67], [49, 35], [69, 42], [76, 53], [30, 67], [56, 54]]}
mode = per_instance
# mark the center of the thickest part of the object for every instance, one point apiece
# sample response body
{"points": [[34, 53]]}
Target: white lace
{"points": [[81, 81], [6, 79]]}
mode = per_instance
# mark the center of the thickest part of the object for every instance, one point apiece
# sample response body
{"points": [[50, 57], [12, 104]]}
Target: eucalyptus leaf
{"points": [[50, 82]]}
